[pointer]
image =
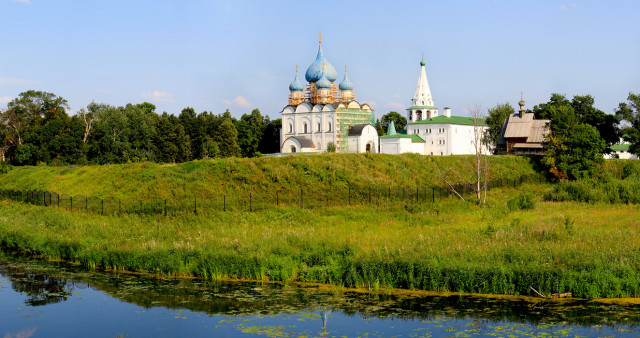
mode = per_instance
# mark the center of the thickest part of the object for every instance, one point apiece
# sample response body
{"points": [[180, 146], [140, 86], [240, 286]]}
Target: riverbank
{"points": [[591, 250]]}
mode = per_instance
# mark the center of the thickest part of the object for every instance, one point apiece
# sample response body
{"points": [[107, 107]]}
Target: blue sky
{"points": [[214, 55]]}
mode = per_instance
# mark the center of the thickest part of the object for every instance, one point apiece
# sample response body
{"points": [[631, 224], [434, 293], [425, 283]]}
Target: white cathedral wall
{"points": [[293, 125]]}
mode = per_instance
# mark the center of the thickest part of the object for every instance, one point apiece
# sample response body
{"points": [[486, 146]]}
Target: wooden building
{"points": [[522, 134]]}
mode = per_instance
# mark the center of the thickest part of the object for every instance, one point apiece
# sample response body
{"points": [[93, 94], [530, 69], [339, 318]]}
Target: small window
{"points": [[329, 129], [441, 153], [290, 128], [319, 126], [305, 128], [293, 149]]}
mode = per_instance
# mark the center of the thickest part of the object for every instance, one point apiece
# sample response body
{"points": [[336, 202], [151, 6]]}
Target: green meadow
{"points": [[516, 242]]}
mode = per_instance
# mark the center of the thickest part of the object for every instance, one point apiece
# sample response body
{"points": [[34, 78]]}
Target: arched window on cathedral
{"points": [[419, 115], [305, 128], [290, 128], [319, 127], [329, 129]]}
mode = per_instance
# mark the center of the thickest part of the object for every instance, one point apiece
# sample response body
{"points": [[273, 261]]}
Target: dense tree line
{"points": [[35, 128]]}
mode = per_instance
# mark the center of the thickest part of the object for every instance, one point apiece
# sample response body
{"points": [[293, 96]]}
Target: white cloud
{"points": [[158, 96], [570, 6], [14, 81], [239, 101], [395, 106], [5, 99], [28, 2]]}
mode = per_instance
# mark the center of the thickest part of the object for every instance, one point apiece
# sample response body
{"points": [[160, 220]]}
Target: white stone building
{"points": [[323, 113], [429, 133], [621, 150]]}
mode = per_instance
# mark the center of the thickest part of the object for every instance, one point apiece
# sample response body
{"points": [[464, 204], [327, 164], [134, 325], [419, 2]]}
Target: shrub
{"points": [[331, 147], [4, 167], [524, 201]]}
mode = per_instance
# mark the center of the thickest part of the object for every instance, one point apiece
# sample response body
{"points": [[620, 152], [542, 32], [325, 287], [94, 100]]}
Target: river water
{"points": [[45, 299]]}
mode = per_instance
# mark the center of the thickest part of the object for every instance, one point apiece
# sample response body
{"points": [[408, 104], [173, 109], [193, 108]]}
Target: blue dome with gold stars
{"points": [[323, 83], [346, 84], [319, 68], [296, 86]]}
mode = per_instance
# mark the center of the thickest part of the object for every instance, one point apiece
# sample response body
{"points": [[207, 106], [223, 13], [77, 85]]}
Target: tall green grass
{"points": [[592, 250]]}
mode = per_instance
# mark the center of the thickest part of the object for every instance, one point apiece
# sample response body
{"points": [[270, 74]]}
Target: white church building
{"points": [[322, 112], [429, 133]]}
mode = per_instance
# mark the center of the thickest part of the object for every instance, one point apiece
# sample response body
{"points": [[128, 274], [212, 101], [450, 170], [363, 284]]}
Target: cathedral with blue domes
{"points": [[322, 112]]}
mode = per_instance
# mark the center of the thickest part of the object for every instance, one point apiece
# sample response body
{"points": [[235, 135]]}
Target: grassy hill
{"points": [[261, 175]]}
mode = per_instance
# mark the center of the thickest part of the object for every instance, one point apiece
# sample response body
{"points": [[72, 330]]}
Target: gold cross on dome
{"points": [[296, 69], [320, 37], [345, 69]]}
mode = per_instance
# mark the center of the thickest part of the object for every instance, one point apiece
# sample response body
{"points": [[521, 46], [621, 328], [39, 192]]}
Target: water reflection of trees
{"points": [[41, 288], [240, 298]]}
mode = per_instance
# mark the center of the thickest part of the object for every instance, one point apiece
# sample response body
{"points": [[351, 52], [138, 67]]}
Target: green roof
{"points": [[414, 138], [421, 107], [620, 147], [463, 120]]}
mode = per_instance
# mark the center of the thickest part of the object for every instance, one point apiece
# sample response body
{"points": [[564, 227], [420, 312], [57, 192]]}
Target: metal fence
{"points": [[303, 197]]}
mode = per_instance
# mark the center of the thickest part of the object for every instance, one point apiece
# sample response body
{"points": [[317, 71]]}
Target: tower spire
{"points": [[422, 96]]}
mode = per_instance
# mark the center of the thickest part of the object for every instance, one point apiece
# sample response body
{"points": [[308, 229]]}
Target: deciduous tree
{"points": [[630, 113], [495, 121], [227, 139], [573, 149], [399, 121]]}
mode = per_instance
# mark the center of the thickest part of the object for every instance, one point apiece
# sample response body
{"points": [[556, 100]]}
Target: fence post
{"points": [[224, 202], [433, 194], [71, 202], [195, 205], [389, 193], [369, 195], [349, 194], [250, 207], [86, 204], [102, 207], [417, 193], [277, 199], [165, 207], [140, 207], [58, 200]]}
